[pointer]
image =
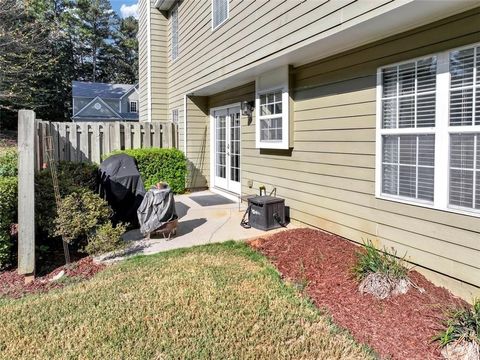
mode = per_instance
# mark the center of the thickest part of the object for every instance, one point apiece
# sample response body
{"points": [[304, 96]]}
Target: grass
{"points": [[372, 260], [216, 301]]}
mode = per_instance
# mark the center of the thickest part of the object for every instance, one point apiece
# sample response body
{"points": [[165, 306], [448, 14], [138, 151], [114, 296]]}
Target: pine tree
{"points": [[95, 20], [127, 51]]}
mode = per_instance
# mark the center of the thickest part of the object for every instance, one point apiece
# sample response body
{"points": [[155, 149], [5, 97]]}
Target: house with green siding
{"points": [[364, 115]]}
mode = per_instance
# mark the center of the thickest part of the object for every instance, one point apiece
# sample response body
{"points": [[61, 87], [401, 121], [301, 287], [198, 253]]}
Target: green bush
{"points": [[462, 324], [8, 163], [71, 177], [155, 165], [8, 216], [79, 215], [373, 260], [107, 238]]}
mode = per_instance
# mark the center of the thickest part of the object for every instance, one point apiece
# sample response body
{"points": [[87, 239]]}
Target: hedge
{"points": [[8, 163], [71, 177], [156, 164], [8, 216]]}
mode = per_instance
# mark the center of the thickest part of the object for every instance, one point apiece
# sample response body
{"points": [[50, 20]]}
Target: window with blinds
{"points": [[428, 131], [409, 102], [464, 119], [174, 33], [219, 12]]}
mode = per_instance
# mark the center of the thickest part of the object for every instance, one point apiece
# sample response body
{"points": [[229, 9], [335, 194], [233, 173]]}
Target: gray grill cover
{"points": [[156, 209]]}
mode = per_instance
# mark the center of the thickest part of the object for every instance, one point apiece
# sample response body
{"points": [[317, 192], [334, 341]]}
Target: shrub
{"points": [[71, 177], [8, 163], [8, 216], [155, 165], [107, 238], [79, 215], [373, 260], [462, 324]]}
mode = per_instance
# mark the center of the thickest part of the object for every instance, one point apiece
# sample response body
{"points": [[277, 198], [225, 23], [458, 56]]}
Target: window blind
{"points": [[408, 166], [464, 189], [465, 87], [219, 12], [175, 33], [408, 98]]}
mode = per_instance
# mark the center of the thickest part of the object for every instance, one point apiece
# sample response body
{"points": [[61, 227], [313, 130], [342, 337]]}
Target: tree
{"points": [[46, 44], [95, 21], [127, 46]]}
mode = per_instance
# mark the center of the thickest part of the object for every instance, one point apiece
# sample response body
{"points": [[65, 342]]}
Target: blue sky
{"points": [[124, 7]]}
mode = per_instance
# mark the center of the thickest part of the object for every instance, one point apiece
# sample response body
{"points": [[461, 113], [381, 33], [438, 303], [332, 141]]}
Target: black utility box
{"points": [[266, 212]]}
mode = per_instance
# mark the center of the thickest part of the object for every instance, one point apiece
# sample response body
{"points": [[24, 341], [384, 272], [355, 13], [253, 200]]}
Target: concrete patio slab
{"points": [[198, 225]]}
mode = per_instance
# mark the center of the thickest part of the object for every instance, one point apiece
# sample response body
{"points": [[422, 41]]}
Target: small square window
{"points": [[133, 107]]}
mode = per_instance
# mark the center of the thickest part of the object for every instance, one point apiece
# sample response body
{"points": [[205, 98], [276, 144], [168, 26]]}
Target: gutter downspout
{"points": [[185, 124]]}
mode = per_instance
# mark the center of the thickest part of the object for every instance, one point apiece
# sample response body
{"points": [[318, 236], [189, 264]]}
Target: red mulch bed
{"points": [[13, 285], [401, 327]]}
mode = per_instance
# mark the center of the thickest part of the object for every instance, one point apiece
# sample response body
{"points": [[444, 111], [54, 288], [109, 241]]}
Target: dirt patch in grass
{"points": [[12, 285], [400, 327]]}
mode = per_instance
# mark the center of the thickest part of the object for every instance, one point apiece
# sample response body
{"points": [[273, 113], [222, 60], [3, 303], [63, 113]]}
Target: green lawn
{"points": [[216, 301]]}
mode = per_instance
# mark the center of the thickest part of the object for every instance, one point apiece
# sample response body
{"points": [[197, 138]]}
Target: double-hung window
{"points": [[174, 16], [133, 107], [219, 12], [428, 127], [272, 109]]}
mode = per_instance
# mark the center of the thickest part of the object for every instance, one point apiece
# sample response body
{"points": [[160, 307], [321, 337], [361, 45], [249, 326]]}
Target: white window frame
{"points": [[212, 11], [130, 106], [174, 54], [271, 82], [175, 116], [442, 131]]}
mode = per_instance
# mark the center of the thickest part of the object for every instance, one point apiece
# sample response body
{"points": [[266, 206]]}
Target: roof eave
{"points": [[164, 5]]}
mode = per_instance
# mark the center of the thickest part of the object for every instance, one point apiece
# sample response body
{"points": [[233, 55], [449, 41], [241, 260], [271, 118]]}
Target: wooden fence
{"points": [[89, 141]]}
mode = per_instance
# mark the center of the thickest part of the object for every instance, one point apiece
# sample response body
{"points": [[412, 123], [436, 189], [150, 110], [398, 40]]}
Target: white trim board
{"points": [[211, 183]]}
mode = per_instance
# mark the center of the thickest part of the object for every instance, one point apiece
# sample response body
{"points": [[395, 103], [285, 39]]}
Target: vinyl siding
{"points": [[143, 72], [152, 80], [198, 145], [328, 178], [254, 31]]}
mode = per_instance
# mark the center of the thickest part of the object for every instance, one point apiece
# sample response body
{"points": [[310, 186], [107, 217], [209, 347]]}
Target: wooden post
{"points": [[26, 193]]}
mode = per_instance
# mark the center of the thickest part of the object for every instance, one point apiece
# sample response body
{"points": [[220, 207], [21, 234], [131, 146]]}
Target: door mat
{"points": [[211, 200]]}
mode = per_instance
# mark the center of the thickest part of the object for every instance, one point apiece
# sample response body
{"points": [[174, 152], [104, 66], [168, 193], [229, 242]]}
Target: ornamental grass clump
{"points": [[381, 273], [461, 337]]}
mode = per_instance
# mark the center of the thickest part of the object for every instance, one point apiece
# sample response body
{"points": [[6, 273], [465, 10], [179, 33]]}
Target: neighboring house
{"points": [[366, 114], [104, 102]]}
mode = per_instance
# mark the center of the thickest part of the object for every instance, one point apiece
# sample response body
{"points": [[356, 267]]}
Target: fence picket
{"points": [[62, 134], [127, 129], [95, 143], [84, 137], [137, 136], [117, 136], [147, 143], [73, 142], [156, 134]]}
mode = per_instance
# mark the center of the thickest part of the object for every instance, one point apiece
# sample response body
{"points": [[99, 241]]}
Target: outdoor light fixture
{"points": [[247, 108]]}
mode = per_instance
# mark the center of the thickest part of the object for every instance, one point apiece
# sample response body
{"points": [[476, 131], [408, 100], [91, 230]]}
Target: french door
{"points": [[227, 149]]}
